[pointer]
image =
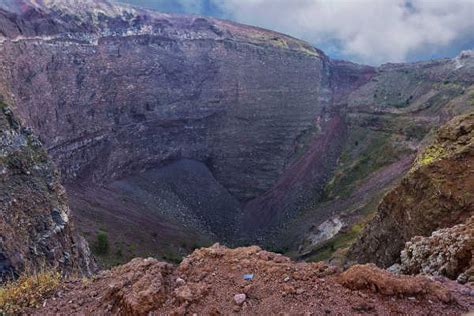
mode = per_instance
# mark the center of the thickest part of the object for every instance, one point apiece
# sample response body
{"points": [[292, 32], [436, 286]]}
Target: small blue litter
{"points": [[248, 277]]}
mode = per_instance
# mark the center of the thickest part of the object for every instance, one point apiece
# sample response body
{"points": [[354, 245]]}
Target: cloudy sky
{"points": [[367, 31]]}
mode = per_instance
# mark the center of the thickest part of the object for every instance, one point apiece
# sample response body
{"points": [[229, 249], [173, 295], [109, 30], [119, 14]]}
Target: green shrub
{"points": [[102, 246], [172, 257]]}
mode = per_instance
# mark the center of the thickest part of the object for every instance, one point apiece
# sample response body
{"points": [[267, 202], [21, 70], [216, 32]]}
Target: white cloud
{"points": [[370, 31]]}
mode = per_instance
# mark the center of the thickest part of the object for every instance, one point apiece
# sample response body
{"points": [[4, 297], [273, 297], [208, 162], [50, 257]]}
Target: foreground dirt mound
{"points": [[218, 280]]}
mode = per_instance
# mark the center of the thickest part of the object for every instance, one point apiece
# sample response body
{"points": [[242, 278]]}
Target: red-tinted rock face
{"points": [[301, 182], [104, 115]]}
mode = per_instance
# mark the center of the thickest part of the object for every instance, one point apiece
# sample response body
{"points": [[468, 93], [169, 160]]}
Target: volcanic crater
{"points": [[174, 131]]}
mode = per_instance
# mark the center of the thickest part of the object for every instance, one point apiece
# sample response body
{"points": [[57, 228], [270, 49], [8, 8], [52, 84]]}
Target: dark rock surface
{"points": [[36, 230], [119, 104]]}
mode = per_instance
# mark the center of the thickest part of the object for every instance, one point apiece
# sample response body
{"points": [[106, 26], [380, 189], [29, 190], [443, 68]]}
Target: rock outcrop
{"points": [[447, 252], [363, 277], [36, 229], [222, 281], [435, 194]]}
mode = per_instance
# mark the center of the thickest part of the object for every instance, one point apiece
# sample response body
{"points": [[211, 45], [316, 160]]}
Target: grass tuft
{"points": [[28, 291]]}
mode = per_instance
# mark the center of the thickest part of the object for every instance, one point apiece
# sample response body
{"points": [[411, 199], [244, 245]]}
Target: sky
{"points": [[365, 31]]}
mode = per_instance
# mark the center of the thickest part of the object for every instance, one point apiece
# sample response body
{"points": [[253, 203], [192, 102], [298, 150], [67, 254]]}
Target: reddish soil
{"points": [[210, 282], [290, 192]]}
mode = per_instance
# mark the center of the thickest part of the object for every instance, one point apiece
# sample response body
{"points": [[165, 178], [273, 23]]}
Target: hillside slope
{"points": [[436, 193], [390, 118]]}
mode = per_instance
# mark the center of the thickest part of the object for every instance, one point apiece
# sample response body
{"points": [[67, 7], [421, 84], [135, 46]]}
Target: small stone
{"points": [[239, 299], [467, 292], [395, 269], [180, 282], [286, 279], [462, 278], [363, 307], [288, 289], [184, 294]]}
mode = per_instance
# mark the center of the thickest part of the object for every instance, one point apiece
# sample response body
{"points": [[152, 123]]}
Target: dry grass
{"points": [[27, 291]]}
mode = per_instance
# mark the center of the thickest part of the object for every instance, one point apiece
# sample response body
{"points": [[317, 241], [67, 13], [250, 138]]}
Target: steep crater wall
{"points": [[247, 103]]}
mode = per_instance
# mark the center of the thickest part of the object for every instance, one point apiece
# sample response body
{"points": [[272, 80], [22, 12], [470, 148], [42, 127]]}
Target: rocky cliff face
{"points": [[36, 230], [436, 193], [114, 103]]}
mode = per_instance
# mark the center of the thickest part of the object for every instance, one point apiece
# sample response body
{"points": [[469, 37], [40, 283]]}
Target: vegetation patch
{"points": [[361, 157], [102, 244], [342, 240], [471, 99], [172, 257], [29, 291], [431, 154], [279, 42]]}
